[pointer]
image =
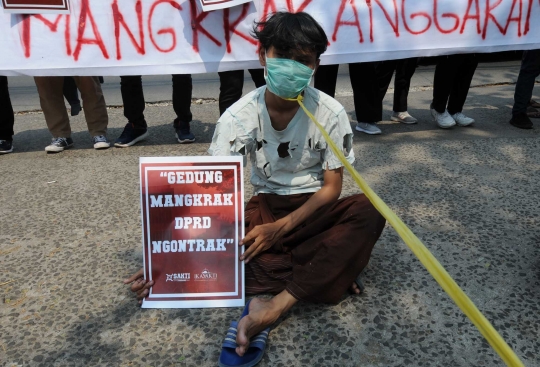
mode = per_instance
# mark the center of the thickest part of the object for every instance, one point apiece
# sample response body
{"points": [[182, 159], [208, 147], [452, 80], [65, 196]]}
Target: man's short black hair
{"points": [[287, 31]]}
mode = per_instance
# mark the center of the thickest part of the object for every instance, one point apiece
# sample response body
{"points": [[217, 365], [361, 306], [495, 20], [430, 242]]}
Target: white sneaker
{"points": [[444, 120], [462, 120], [101, 142], [403, 117], [368, 128]]}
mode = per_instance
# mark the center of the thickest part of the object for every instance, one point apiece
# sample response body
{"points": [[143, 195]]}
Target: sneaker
{"points": [[522, 121], [183, 135], [6, 146], [130, 136], [462, 120], [403, 117], [75, 109], [59, 144], [368, 128], [101, 142], [444, 120]]}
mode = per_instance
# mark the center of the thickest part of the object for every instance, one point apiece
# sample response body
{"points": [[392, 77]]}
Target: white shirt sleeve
{"points": [[227, 141], [342, 135]]}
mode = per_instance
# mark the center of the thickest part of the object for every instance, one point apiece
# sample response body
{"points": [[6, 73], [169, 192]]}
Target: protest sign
{"points": [[36, 6], [135, 37], [193, 220], [208, 5]]}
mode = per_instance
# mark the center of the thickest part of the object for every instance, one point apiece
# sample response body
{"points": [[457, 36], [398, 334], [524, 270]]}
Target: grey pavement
{"points": [[70, 232]]}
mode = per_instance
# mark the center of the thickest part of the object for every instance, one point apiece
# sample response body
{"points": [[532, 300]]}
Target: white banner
{"points": [[36, 6], [121, 37], [209, 5]]}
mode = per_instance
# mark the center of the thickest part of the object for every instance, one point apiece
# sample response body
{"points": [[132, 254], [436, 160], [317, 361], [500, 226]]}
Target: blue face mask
{"points": [[286, 78]]}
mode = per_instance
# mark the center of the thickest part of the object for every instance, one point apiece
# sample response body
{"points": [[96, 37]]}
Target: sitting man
{"points": [[303, 242]]}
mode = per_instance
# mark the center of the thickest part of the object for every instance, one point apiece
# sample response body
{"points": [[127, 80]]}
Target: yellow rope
{"points": [[425, 257]]}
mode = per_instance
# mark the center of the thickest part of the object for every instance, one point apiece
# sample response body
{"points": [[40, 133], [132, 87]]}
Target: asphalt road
{"points": [[70, 232]]}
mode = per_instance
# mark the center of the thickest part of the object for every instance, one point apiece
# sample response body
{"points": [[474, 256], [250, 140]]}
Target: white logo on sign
{"points": [[206, 276], [178, 277]]}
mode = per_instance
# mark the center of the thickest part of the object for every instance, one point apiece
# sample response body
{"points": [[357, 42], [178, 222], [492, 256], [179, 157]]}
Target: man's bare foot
{"points": [[262, 313], [355, 289]]}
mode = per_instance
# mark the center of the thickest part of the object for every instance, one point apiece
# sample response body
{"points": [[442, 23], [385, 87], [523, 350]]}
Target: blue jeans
{"points": [[530, 69]]}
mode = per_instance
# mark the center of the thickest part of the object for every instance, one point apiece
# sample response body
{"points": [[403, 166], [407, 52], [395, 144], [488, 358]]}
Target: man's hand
{"points": [[139, 285], [261, 238]]}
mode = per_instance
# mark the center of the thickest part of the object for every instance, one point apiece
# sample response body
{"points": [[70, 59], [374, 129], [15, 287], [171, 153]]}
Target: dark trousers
{"points": [[404, 69], [231, 84], [363, 83], [530, 69], [452, 80], [7, 119], [133, 98], [70, 91], [369, 82]]}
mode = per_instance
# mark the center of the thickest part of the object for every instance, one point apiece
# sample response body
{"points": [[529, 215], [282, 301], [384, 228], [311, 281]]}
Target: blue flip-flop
{"points": [[254, 353]]}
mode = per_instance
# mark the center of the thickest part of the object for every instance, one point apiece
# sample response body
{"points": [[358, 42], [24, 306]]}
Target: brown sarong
{"points": [[320, 259]]}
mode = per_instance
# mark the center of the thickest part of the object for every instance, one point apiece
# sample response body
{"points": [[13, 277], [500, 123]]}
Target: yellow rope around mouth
{"points": [[425, 257]]}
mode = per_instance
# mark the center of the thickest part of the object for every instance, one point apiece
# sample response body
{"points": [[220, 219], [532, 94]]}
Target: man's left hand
{"points": [[260, 239]]}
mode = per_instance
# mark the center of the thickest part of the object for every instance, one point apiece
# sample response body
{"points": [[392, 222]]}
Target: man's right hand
{"points": [[139, 285]]}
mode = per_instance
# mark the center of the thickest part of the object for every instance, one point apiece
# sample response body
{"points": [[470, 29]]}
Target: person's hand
{"points": [[260, 239], [139, 285]]}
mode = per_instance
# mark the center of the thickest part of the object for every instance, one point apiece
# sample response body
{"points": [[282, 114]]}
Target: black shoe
{"points": [[130, 136], [6, 146], [522, 121], [183, 135], [75, 109]]}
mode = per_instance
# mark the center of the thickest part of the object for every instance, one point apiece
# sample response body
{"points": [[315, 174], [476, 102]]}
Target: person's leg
{"points": [[257, 75], [72, 95], [462, 83], [402, 82], [443, 80], [366, 96], [182, 86], [326, 79], [460, 89], [7, 118], [366, 91], [323, 260], [529, 71], [384, 70], [95, 109], [133, 99], [136, 128], [231, 84], [51, 99]]}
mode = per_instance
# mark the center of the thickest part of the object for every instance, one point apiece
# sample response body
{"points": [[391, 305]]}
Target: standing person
{"points": [[365, 86], [51, 98], [530, 69], [370, 82], [72, 95], [451, 83], [298, 230], [133, 97], [7, 118], [231, 84], [404, 70]]}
